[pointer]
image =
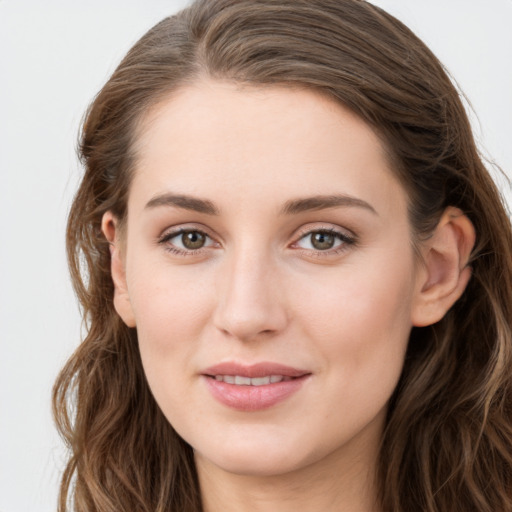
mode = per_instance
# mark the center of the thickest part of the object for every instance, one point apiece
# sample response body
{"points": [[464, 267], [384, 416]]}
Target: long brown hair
{"points": [[447, 445]]}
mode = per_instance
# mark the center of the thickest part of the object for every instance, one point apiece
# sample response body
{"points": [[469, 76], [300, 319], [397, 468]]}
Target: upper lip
{"points": [[262, 369]]}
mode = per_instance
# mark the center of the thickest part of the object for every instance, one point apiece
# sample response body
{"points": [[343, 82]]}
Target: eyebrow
{"points": [[183, 201], [292, 207], [314, 203]]}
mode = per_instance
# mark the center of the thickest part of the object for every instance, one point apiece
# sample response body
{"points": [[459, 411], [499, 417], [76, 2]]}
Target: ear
{"points": [[445, 272], [122, 304]]}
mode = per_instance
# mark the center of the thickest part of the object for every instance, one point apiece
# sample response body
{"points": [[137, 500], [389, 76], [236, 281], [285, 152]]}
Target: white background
{"points": [[54, 56]]}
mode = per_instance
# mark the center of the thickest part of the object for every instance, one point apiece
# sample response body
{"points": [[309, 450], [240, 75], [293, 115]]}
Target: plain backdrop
{"points": [[54, 56]]}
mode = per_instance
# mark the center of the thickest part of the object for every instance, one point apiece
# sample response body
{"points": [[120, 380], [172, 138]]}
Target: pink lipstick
{"points": [[253, 387]]}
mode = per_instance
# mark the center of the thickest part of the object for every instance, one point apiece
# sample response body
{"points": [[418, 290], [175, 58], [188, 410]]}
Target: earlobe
{"points": [[445, 272], [122, 304]]}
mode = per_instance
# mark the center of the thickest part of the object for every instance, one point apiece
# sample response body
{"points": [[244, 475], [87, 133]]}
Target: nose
{"points": [[251, 301]]}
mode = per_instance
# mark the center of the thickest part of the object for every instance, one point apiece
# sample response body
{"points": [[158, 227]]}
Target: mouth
{"points": [[274, 372], [253, 387], [240, 380]]}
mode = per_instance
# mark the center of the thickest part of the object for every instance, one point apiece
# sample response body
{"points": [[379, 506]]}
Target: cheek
{"points": [[171, 307], [360, 333], [367, 296], [360, 321]]}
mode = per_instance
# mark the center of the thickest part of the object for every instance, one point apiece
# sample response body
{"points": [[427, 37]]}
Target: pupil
{"points": [[193, 239], [322, 241]]}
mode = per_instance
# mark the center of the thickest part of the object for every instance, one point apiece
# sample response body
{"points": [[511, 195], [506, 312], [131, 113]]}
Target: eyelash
{"points": [[164, 240], [347, 241]]}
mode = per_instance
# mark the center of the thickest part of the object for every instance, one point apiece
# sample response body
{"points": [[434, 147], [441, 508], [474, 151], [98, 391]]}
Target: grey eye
{"points": [[193, 240], [325, 240], [322, 241]]}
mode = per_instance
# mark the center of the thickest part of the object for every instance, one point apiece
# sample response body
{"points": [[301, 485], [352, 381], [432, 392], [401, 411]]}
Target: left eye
{"points": [[322, 240]]}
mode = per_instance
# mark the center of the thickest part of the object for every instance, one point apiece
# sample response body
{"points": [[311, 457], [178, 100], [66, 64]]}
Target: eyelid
{"points": [[170, 231], [347, 237], [326, 228], [175, 231]]}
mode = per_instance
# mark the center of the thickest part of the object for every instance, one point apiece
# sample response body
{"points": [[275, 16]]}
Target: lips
{"points": [[254, 387]]}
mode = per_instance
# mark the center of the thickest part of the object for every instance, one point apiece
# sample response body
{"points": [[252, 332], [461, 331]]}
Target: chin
{"points": [[258, 464], [263, 456]]}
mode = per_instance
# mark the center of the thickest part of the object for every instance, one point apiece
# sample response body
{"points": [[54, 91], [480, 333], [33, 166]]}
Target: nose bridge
{"points": [[250, 301]]}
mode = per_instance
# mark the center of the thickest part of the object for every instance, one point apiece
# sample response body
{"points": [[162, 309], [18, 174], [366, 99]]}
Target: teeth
{"points": [[248, 381], [260, 381]]}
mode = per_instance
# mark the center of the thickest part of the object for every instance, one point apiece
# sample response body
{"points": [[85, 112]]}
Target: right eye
{"points": [[186, 241]]}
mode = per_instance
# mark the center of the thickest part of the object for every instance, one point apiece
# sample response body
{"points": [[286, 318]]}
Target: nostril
{"points": [[246, 310]]}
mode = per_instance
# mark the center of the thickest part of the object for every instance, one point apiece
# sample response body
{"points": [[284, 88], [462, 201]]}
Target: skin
{"points": [[260, 290]]}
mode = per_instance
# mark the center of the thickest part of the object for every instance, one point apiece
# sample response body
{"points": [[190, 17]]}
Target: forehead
{"points": [[209, 106], [214, 137]]}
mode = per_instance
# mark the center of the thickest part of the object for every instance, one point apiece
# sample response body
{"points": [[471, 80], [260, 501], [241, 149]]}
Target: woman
{"points": [[296, 274]]}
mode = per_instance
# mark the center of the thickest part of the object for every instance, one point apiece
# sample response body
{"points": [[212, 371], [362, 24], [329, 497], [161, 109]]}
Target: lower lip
{"points": [[253, 398]]}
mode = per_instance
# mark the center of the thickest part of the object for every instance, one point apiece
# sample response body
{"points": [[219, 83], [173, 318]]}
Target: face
{"points": [[268, 268]]}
